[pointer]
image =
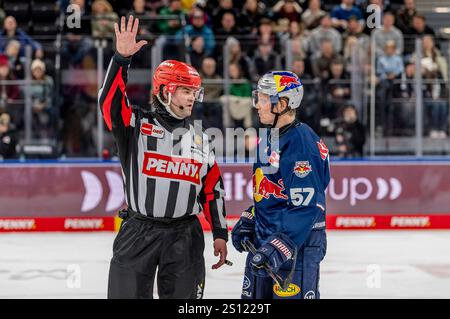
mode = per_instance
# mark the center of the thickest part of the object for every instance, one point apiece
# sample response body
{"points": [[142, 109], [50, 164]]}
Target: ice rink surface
{"points": [[359, 264]]}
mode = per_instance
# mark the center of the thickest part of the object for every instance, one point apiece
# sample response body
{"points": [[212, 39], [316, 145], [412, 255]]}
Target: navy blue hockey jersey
{"points": [[290, 176]]}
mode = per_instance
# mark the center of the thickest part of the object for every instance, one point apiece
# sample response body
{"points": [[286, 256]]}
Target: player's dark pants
{"points": [[305, 283], [175, 246]]}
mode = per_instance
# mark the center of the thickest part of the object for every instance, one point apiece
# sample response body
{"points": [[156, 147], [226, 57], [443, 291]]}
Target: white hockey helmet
{"points": [[279, 84]]}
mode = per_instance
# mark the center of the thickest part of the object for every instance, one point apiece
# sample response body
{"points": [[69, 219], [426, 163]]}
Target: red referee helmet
{"points": [[172, 74]]}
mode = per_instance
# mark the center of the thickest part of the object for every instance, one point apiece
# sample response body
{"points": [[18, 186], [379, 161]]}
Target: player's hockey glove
{"points": [[244, 229], [273, 253]]}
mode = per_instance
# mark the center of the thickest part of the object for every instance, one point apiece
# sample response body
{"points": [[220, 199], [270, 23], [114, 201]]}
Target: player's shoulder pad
{"points": [[306, 139]]}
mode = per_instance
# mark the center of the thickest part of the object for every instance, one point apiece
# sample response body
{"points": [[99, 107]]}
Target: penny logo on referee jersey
{"points": [[171, 167]]}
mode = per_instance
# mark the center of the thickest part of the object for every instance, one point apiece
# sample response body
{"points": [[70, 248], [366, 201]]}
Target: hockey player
{"points": [[286, 224], [168, 180]]}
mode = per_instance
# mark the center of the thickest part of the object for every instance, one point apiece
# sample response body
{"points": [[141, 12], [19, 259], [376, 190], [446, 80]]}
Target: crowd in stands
{"points": [[238, 40]]}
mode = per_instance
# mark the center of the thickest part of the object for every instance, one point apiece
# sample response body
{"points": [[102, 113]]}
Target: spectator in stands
{"points": [[325, 32], [8, 92], [237, 107], [282, 28], [227, 28], [299, 49], [419, 29], [434, 95], [15, 61], [236, 56], [265, 60], [388, 32], [287, 9], [350, 134], [12, 32], [340, 15], [355, 29], [212, 83], [197, 52], [338, 86], [224, 7], [147, 26], [170, 26], [322, 64], [266, 33], [312, 16], [141, 12], [78, 44], [356, 43], [353, 49], [390, 64], [435, 72], [7, 138], [298, 67], [198, 28], [419, 26], [405, 16], [103, 19], [432, 58], [41, 92], [251, 14], [300, 39], [389, 68]]}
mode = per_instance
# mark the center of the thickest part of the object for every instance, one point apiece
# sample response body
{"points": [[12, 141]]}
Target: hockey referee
{"points": [[168, 180]]}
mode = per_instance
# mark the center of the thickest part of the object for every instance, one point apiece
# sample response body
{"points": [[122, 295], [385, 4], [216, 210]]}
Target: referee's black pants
{"points": [[143, 244]]}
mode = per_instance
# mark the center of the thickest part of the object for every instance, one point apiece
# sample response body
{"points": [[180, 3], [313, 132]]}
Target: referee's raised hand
{"points": [[126, 44]]}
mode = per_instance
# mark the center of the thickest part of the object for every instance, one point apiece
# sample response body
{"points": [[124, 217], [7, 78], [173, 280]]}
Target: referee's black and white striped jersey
{"points": [[166, 174]]}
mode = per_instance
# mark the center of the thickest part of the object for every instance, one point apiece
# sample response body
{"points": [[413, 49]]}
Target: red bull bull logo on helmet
{"points": [[302, 169], [286, 81], [264, 187]]}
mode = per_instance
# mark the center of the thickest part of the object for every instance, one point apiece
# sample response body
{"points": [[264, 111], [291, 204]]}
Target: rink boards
{"points": [[86, 195]]}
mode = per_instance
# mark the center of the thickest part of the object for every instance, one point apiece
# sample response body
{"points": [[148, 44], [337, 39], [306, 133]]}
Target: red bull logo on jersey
{"points": [[302, 169], [171, 167], [264, 188], [286, 81]]}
